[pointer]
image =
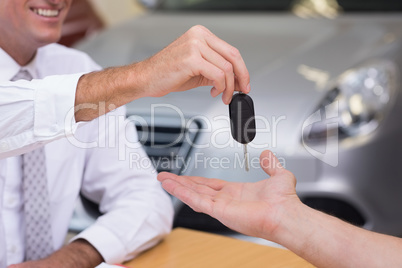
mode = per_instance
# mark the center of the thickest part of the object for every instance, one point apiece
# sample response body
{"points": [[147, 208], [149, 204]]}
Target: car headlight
{"points": [[356, 105]]}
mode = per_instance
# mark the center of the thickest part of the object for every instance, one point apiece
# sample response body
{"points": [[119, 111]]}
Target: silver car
{"points": [[326, 85]]}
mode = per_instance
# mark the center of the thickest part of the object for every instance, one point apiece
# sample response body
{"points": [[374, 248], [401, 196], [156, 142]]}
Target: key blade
{"points": [[246, 157]]}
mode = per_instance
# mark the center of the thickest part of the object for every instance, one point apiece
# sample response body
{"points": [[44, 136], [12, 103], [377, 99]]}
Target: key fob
{"points": [[242, 118]]}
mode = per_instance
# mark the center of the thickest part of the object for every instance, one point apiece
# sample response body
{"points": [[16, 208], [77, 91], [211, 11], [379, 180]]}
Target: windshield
{"points": [[283, 5]]}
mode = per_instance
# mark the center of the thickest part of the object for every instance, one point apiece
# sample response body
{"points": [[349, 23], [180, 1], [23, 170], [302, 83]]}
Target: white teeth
{"points": [[46, 12]]}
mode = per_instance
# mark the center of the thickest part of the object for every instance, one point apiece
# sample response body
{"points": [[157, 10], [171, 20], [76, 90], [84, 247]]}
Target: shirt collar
{"points": [[9, 67]]}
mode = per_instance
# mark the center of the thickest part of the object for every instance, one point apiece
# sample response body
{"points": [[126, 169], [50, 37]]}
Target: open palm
{"points": [[249, 208]]}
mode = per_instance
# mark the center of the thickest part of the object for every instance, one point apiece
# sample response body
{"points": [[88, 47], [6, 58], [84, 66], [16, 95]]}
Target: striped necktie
{"points": [[38, 232]]}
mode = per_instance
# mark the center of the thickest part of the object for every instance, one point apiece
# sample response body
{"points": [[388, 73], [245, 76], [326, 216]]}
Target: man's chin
{"points": [[47, 39]]}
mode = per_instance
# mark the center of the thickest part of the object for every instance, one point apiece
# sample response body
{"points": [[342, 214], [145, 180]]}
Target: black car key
{"points": [[242, 121]]}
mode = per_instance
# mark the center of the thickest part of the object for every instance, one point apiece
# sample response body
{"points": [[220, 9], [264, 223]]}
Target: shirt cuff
{"points": [[54, 106], [105, 242]]}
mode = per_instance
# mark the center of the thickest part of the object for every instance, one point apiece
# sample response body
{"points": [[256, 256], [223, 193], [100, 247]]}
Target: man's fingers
{"points": [[191, 183], [269, 163], [237, 86], [216, 59], [198, 184], [213, 73], [232, 55], [165, 175], [214, 184], [198, 202], [214, 92]]}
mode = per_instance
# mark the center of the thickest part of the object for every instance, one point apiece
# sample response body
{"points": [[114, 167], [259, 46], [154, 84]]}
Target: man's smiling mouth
{"points": [[46, 12]]}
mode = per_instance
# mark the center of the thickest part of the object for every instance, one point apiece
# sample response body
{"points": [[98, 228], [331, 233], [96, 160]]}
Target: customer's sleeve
{"points": [[36, 112], [120, 177]]}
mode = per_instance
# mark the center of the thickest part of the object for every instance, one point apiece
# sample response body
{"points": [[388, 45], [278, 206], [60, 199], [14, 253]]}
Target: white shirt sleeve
{"points": [[36, 112], [138, 213]]}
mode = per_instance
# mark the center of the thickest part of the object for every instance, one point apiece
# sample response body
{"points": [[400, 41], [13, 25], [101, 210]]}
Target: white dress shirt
{"points": [[137, 212]]}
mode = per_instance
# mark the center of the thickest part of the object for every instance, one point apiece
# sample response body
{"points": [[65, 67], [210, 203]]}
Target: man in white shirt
{"points": [[137, 213]]}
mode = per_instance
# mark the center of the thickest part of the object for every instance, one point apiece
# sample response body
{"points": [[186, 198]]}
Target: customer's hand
{"points": [[197, 58], [251, 208], [270, 209]]}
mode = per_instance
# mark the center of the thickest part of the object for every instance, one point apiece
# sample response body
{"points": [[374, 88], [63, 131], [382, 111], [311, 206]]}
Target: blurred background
{"points": [[87, 17]]}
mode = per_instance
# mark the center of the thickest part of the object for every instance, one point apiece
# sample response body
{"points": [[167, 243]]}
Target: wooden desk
{"points": [[185, 248]]}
